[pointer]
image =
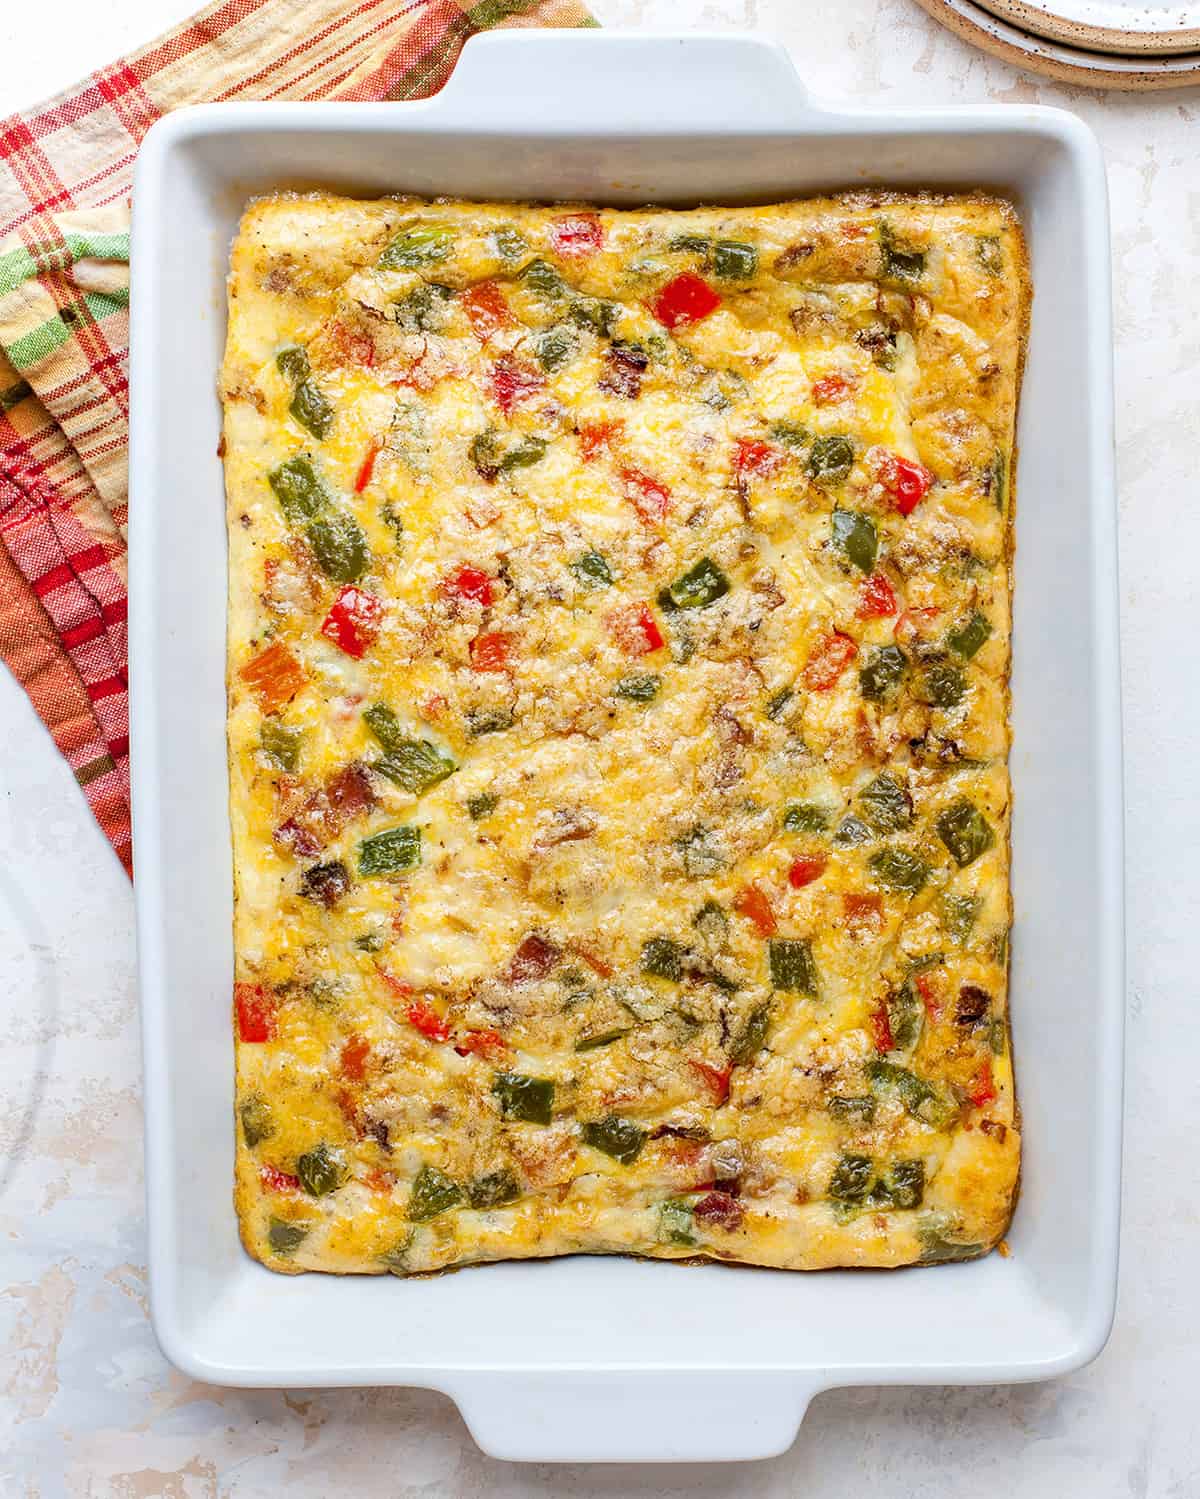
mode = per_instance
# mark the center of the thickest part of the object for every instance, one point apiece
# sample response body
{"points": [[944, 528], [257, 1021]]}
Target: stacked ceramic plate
{"points": [[1124, 44]]}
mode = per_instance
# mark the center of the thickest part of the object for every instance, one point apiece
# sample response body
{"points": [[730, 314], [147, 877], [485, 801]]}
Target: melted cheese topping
{"points": [[618, 648]]}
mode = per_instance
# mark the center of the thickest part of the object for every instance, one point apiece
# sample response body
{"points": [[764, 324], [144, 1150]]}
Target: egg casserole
{"points": [[618, 725]]}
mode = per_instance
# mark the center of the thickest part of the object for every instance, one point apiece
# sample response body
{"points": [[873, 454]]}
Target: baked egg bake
{"points": [[618, 728]]}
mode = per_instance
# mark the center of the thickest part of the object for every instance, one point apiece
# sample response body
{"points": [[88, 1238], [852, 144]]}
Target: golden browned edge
{"points": [[851, 198]]}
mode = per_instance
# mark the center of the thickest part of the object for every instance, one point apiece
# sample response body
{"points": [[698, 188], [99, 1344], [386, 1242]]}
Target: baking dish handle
{"points": [[623, 1415], [528, 78]]}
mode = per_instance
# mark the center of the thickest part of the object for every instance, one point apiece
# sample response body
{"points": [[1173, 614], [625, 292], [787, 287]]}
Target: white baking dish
{"points": [[592, 1358]]}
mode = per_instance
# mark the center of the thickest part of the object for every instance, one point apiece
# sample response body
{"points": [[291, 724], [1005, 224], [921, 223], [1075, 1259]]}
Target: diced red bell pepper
{"points": [[651, 498], [593, 960], [427, 1020], [830, 659], [596, 435], [354, 1056], [914, 624], [533, 959], [467, 582], [274, 676], [575, 235], [256, 1011], [274, 1180], [877, 599], [377, 1180], [685, 299], [491, 651], [752, 456], [862, 909], [717, 1078], [927, 989], [752, 903], [353, 622], [806, 869], [907, 482], [486, 308], [831, 388], [719, 1209], [881, 1028], [983, 1085], [514, 381], [350, 345], [490, 1045], [367, 469], [397, 986], [635, 629]]}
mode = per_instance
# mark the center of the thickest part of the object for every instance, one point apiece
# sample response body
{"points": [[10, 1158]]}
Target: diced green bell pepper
{"points": [[792, 965], [859, 1109], [966, 639], [854, 534], [792, 435], [989, 254], [488, 721], [675, 1222], [493, 1190], [851, 831], [510, 244], [920, 1098], [702, 584], [620, 1138], [321, 1170], [592, 571], [899, 869], [959, 914], [851, 1178], [777, 703], [299, 489], [805, 817], [879, 680], [527, 1098], [902, 1187], [885, 804], [602, 1038], [553, 347], [752, 1037], [943, 684], [285, 1238], [258, 1120], [312, 410], [734, 260], [663, 959], [423, 244], [542, 276], [640, 688], [389, 852], [292, 362], [281, 743], [965, 832], [415, 765], [480, 806], [433, 1193], [338, 544], [831, 458]]}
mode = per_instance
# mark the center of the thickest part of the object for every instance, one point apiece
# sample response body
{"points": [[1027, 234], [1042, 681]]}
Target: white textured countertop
{"points": [[89, 1407]]}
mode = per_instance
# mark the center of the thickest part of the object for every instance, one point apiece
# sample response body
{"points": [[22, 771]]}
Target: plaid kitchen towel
{"points": [[65, 172]]}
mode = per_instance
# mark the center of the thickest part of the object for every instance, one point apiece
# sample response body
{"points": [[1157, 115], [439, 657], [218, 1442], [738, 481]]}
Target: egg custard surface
{"points": [[619, 631]]}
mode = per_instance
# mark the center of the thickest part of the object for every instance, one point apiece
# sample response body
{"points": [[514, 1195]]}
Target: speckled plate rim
{"points": [[1098, 70], [1128, 41]]}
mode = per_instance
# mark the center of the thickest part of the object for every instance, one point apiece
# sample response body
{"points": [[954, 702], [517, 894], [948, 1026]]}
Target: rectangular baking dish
{"points": [[606, 1358]]}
